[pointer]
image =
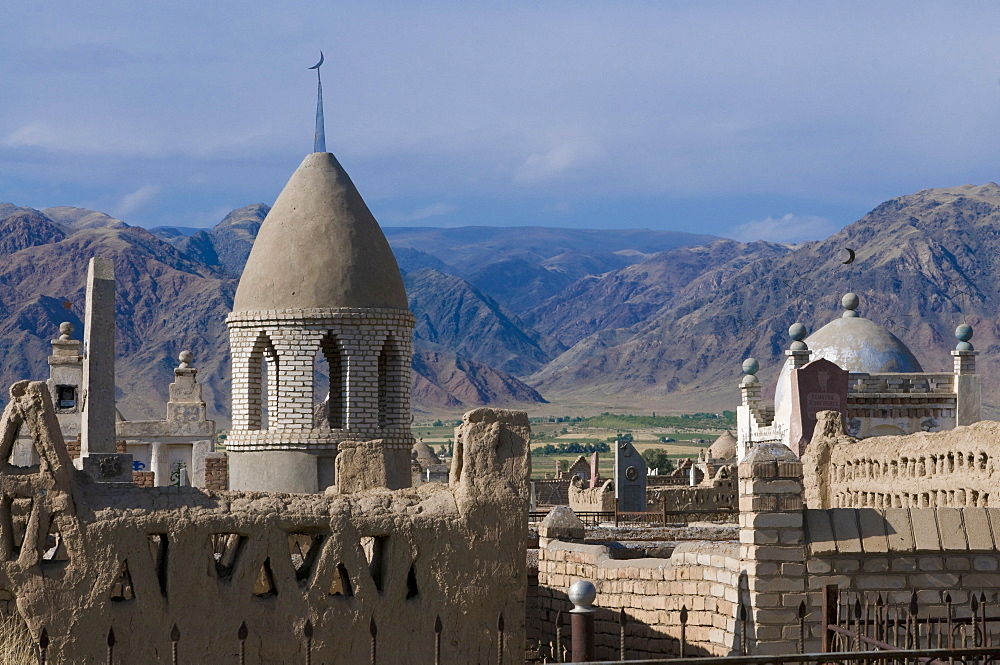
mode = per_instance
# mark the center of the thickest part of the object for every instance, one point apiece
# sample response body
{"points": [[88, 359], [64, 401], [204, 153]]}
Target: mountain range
{"points": [[524, 315]]}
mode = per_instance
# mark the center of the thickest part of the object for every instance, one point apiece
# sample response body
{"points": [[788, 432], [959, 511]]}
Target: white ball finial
{"points": [[65, 330], [850, 301], [582, 594], [186, 358]]}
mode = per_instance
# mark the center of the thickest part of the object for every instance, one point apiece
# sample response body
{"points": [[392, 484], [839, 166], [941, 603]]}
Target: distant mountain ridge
{"points": [[520, 315]]}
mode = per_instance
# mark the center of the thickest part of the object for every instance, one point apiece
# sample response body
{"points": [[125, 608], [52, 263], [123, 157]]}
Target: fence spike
{"points": [[307, 630], [500, 639], [43, 645], [175, 636], [241, 635], [438, 627], [111, 646], [914, 608], [622, 619], [684, 620]]}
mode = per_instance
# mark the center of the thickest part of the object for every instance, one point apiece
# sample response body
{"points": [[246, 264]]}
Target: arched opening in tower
{"points": [[262, 382], [329, 384]]}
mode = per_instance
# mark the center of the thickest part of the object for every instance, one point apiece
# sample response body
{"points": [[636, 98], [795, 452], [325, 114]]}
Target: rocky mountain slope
{"points": [[925, 262], [518, 315]]}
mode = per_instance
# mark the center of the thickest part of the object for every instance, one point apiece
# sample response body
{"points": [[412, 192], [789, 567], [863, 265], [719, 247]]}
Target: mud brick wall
{"points": [[704, 577]]}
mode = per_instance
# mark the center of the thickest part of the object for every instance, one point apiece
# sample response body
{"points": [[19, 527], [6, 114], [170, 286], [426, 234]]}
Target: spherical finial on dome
{"points": [[964, 333], [798, 332], [850, 301], [66, 330], [186, 358], [750, 366], [582, 594]]}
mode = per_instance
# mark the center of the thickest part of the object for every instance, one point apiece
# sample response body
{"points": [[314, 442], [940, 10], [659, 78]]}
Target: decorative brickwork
{"points": [[363, 336], [368, 351], [954, 468]]}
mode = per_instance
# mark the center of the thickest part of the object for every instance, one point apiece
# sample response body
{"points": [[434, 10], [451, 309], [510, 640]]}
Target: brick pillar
{"points": [[968, 389], [799, 358], [772, 546]]}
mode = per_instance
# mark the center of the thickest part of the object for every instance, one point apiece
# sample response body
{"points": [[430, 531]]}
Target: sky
{"points": [[781, 121]]}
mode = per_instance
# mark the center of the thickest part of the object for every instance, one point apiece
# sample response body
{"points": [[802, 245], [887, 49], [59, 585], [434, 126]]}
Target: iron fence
{"points": [[970, 656], [856, 628], [589, 518], [177, 656], [858, 621]]}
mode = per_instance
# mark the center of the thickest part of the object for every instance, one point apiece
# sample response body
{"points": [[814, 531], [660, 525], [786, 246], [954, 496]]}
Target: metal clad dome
{"points": [[858, 344], [320, 247]]}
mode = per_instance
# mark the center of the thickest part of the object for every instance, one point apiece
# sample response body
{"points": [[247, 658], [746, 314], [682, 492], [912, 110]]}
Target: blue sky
{"points": [[777, 120]]}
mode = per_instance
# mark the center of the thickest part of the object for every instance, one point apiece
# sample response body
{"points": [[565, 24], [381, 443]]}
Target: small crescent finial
{"points": [[317, 65]]}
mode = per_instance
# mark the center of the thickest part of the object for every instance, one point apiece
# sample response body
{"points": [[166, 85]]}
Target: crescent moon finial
{"points": [[850, 258], [317, 65]]}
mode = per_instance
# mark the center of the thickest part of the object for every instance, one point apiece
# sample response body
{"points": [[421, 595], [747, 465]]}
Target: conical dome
{"points": [[320, 247], [724, 447]]}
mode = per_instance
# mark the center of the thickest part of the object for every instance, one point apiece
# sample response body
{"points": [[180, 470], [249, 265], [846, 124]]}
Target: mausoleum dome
{"points": [[724, 447], [320, 247], [861, 345], [853, 343]]}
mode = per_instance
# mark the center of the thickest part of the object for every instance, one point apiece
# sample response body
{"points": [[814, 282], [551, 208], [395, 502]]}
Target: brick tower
{"points": [[321, 295]]}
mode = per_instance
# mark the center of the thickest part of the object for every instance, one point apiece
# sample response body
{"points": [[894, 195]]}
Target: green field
{"points": [[695, 434]]}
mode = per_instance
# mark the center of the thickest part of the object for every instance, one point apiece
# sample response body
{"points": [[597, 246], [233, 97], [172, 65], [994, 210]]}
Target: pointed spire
{"points": [[319, 141]]}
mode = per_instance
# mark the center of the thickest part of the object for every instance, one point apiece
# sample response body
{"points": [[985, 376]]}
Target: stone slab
{"points": [[925, 530], [818, 386], [873, 531], [977, 528], [952, 529], [845, 528], [97, 429], [994, 515], [898, 531], [630, 478], [819, 532]]}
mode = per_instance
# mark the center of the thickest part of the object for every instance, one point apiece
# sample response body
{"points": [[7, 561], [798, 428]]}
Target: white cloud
{"points": [[541, 167], [433, 210], [34, 134], [788, 228], [136, 200]]}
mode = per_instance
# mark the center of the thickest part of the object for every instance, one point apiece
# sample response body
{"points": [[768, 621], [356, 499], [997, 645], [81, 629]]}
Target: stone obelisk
{"points": [[98, 455]]}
